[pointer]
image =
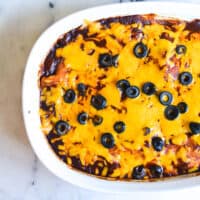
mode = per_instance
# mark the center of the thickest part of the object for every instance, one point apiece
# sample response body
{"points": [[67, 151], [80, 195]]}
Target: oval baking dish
{"points": [[111, 143]]}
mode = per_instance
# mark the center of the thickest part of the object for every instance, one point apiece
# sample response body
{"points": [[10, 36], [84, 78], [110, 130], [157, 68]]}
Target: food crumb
{"points": [[51, 5]]}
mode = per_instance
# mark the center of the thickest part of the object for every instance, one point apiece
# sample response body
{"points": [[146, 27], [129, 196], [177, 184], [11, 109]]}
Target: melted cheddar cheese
{"points": [[74, 59]]}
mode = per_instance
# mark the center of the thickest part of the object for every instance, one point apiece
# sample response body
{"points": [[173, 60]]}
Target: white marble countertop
{"points": [[22, 176]]}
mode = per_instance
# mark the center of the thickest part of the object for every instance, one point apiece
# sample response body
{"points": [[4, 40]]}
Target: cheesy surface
{"points": [[76, 58]]}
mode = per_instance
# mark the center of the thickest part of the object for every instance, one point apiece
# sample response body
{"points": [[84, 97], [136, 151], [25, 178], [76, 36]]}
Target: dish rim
{"points": [[30, 106]]}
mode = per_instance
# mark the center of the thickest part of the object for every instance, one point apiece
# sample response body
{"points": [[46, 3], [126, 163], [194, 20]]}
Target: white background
{"points": [[22, 176]]}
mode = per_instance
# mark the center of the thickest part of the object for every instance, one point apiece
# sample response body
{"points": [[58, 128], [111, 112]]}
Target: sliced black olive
{"points": [[69, 96], [183, 107], [165, 98], [157, 143], [185, 78], [119, 127], [171, 112], [97, 120], [140, 50], [156, 171], [181, 49], [194, 127], [105, 60], [115, 60], [81, 89], [62, 127], [82, 118], [107, 140], [98, 101], [148, 88], [139, 172], [123, 84], [132, 92]]}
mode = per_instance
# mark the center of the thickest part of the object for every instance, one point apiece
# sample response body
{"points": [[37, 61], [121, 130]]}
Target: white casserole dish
{"points": [[30, 95]]}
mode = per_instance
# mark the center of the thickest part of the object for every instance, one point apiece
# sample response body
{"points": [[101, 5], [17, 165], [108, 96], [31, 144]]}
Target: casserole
{"points": [[30, 89]]}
